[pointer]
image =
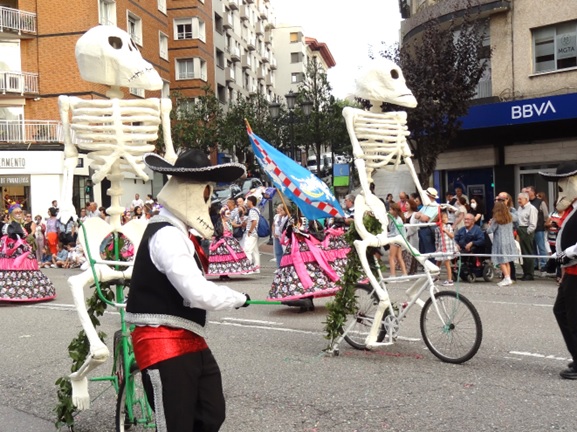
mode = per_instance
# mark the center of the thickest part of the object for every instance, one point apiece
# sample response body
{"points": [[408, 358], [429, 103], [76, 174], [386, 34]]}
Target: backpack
{"points": [[263, 228]]}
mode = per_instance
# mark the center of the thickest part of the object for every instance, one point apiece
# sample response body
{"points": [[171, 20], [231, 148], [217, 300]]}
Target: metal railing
{"points": [[30, 131], [18, 82], [17, 20]]}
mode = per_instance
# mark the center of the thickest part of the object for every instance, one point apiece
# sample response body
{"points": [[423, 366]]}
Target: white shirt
{"points": [[137, 203], [172, 252]]}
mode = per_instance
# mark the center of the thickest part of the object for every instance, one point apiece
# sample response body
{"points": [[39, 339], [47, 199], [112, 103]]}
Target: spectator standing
{"points": [[136, 202], [462, 210], [396, 228], [545, 209], [459, 193], [444, 243], [527, 224], [428, 214], [415, 196], [149, 200], [412, 236], [279, 224], [451, 202], [508, 201], [83, 216], [54, 207], [39, 236], [403, 199], [52, 230], [503, 249], [539, 242], [477, 210], [138, 214], [251, 235], [349, 209]]}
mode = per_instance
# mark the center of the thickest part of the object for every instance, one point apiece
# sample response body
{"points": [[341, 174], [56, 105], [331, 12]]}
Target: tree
{"points": [[442, 68]]}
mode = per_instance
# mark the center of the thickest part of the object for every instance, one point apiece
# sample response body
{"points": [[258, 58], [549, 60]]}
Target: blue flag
{"points": [[312, 196]]}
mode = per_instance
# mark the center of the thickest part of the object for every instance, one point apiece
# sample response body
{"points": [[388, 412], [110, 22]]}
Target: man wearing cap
{"points": [[429, 213], [565, 307], [169, 297]]}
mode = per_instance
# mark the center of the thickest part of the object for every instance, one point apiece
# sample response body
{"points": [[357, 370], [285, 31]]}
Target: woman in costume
{"points": [[313, 263], [226, 255], [20, 278]]}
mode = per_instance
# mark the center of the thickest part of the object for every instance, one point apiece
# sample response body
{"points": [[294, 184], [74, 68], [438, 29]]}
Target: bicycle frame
{"points": [[123, 352]]}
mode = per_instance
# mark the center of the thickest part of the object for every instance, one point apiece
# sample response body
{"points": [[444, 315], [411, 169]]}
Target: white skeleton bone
{"points": [[379, 140], [115, 133]]}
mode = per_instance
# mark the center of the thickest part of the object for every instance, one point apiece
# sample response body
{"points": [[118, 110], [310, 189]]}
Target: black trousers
{"points": [[565, 310], [526, 243], [188, 392]]}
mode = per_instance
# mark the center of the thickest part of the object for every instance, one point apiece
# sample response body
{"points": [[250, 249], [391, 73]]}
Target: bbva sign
{"points": [[532, 110]]}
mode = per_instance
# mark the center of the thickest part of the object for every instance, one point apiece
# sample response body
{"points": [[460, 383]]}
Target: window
{"points": [[184, 107], [555, 47], [163, 45], [219, 58], [189, 28], [134, 25], [296, 57], [136, 91], [191, 68], [107, 12], [162, 6], [294, 37], [218, 23], [296, 77]]}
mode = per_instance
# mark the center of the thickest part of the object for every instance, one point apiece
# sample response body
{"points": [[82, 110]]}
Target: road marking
{"points": [[514, 303], [283, 329], [251, 321], [547, 357]]}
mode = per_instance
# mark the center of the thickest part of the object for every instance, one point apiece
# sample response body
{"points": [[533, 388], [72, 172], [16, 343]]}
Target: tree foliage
{"points": [[442, 68]]}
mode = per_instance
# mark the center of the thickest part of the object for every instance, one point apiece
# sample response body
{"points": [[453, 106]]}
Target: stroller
{"points": [[473, 268]]}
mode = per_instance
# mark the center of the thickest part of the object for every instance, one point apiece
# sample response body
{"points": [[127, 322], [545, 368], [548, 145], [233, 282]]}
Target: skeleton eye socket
{"points": [[394, 74], [115, 42], [206, 193], [560, 189]]}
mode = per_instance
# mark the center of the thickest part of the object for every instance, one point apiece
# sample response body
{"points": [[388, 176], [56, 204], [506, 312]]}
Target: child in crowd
{"points": [[444, 243], [61, 258], [75, 255], [395, 251], [46, 260]]}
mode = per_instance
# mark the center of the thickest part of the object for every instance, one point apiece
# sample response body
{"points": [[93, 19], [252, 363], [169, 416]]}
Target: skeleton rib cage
{"points": [[115, 130], [382, 138]]}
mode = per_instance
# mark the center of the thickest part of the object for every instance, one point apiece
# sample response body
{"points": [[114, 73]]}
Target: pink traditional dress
{"points": [[20, 278], [226, 255], [310, 267]]}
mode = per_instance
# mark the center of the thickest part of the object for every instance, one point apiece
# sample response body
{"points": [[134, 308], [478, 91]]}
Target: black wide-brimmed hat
{"points": [[194, 164], [566, 169]]}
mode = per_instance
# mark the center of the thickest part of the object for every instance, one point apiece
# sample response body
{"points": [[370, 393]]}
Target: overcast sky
{"points": [[348, 28]]}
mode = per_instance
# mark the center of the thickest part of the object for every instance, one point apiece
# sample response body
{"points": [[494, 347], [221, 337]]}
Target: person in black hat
{"points": [[565, 307], [169, 296]]}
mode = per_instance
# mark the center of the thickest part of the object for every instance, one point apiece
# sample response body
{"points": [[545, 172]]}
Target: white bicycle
{"points": [[450, 324]]}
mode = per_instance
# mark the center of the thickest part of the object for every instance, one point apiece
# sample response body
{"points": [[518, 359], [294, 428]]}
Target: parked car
{"points": [[326, 163]]}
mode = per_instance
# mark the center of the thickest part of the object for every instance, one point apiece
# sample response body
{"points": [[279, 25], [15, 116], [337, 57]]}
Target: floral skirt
{"points": [[227, 258], [305, 273]]}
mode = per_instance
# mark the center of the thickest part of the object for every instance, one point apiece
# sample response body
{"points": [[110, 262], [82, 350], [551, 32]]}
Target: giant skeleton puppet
{"points": [[379, 140], [565, 307], [116, 134]]}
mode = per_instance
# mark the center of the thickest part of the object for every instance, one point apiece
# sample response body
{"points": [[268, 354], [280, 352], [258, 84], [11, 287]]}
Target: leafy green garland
{"points": [[345, 302], [79, 349]]}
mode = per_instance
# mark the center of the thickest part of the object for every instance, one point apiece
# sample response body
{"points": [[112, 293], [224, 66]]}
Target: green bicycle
{"points": [[133, 412]]}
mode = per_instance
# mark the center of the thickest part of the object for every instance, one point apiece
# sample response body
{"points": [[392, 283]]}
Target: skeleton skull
{"points": [[107, 55], [567, 192], [190, 202], [383, 81]]}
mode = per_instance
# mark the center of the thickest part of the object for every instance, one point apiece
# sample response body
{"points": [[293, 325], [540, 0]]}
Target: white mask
{"points": [[473, 205]]}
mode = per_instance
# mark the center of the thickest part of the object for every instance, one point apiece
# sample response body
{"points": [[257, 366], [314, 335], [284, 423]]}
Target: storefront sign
{"points": [[15, 180], [12, 162], [521, 112]]}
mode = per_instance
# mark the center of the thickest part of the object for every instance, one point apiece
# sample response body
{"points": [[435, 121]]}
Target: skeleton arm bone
{"points": [[165, 107], [70, 161]]}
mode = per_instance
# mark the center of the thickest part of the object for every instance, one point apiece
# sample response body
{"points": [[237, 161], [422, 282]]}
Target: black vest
{"points": [[150, 290], [536, 202]]}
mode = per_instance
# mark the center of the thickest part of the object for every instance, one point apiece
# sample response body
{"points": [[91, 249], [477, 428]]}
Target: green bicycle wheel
{"points": [[131, 392]]}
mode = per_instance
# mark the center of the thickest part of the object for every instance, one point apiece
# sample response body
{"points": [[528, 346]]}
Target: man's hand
{"points": [[468, 246]]}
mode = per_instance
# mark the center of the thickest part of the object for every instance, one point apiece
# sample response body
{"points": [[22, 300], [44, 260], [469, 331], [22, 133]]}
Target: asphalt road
{"points": [[277, 378]]}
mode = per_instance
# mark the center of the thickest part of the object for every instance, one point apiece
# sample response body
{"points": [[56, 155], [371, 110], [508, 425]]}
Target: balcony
{"points": [[233, 4], [251, 44], [268, 37], [269, 81], [226, 21], [229, 74], [273, 64], [18, 83], [263, 11], [265, 57], [17, 22], [235, 54], [244, 13], [259, 28], [30, 131], [246, 62]]}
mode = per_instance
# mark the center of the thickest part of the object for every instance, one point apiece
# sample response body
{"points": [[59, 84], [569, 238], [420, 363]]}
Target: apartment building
{"points": [[243, 49], [524, 119], [37, 40], [294, 52]]}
